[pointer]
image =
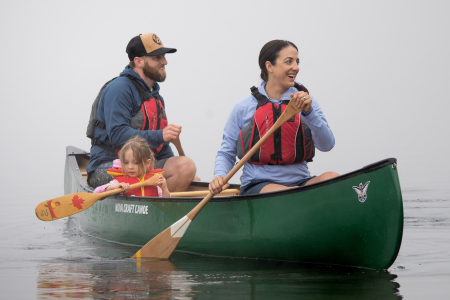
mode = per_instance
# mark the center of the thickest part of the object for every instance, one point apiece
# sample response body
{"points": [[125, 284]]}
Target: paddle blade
{"points": [[64, 206], [162, 245]]}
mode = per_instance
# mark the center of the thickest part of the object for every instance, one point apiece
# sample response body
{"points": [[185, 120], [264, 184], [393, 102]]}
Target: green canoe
{"points": [[353, 220]]}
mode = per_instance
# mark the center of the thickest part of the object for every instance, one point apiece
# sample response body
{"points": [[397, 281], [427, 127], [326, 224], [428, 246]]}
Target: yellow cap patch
{"points": [[151, 42]]}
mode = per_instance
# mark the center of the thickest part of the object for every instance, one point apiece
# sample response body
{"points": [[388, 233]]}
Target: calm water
{"points": [[55, 260]]}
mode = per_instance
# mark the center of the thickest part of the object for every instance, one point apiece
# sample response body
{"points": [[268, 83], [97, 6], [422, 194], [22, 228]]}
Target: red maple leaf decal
{"points": [[76, 201]]}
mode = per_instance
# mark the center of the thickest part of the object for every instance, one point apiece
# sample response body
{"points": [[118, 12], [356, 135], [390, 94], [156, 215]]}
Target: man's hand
{"points": [[171, 132]]}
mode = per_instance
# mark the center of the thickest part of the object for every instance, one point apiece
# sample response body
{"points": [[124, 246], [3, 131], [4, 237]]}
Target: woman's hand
{"points": [[302, 100], [162, 183], [217, 185]]}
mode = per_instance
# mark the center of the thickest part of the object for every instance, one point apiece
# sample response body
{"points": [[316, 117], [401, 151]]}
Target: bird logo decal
{"points": [[361, 190]]}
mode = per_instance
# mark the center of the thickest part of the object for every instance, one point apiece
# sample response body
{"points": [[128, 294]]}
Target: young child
{"points": [[135, 164]]}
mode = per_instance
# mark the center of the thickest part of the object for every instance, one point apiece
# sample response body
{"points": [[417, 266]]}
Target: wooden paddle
{"points": [[162, 245], [68, 205], [204, 193], [177, 144]]}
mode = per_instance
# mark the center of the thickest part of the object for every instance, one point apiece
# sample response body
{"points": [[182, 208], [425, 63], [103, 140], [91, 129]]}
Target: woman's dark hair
{"points": [[270, 52]]}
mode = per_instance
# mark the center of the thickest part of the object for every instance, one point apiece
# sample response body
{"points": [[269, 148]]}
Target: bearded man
{"points": [[131, 105]]}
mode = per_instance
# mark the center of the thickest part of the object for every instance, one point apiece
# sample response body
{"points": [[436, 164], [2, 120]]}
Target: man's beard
{"points": [[153, 73]]}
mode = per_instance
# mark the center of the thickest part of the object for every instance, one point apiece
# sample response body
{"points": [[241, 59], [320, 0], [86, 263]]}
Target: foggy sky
{"points": [[379, 70]]}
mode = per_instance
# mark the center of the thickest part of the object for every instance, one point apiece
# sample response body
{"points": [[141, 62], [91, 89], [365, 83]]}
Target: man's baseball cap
{"points": [[147, 44]]}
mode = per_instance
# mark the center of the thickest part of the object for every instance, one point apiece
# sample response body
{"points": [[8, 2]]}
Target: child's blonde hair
{"points": [[141, 152]]}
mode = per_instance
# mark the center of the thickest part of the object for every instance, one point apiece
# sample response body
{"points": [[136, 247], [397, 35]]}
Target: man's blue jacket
{"points": [[118, 103]]}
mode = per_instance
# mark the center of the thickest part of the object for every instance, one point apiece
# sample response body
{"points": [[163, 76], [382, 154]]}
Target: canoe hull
{"points": [[324, 223]]}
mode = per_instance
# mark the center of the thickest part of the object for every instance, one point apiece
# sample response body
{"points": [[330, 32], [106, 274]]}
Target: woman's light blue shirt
{"points": [[241, 115]]}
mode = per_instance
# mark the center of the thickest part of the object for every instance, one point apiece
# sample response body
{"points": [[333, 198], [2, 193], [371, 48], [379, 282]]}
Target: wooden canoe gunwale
{"points": [[76, 152]]}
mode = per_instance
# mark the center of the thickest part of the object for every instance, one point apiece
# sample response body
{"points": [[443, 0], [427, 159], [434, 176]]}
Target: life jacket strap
{"points": [[100, 144], [263, 99], [259, 97], [143, 94], [99, 124]]}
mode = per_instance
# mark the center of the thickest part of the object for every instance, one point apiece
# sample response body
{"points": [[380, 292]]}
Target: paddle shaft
{"points": [[177, 144], [288, 113], [132, 187]]}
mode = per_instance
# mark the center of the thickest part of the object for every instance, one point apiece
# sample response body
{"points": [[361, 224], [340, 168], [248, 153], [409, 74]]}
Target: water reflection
{"points": [[247, 279], [111, 279], [98, 269]]}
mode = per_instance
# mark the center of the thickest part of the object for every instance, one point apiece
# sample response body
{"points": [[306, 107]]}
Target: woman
{"points": [[277, 166]]}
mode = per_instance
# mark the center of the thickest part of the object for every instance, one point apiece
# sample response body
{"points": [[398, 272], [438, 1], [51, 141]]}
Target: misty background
{"points": [[379, 69]]}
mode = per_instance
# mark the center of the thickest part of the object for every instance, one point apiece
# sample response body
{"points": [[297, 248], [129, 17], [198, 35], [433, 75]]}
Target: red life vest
{"points": [[292, 143], [148, 191], [151, 116]]}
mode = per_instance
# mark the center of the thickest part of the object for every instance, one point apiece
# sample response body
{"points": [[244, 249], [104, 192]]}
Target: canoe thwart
{"points": [[227, 192]]}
